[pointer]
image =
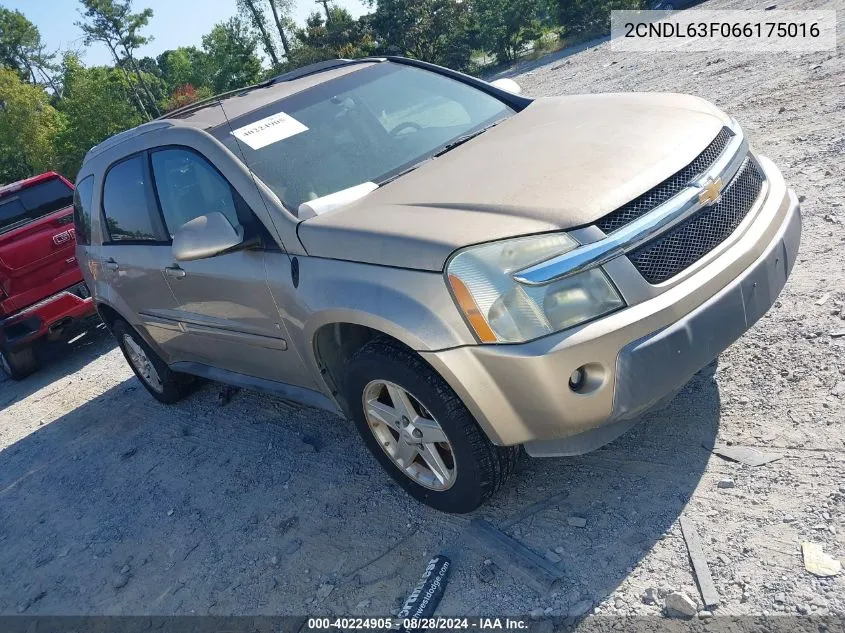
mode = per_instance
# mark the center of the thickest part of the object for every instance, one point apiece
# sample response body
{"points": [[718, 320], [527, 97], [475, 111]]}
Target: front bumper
{"points": [[46, 316], [643, 354]]}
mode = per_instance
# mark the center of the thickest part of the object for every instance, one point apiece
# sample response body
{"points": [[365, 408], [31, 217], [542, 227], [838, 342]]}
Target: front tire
{"points": [[419, 430], [18, 364], [164, 384]]}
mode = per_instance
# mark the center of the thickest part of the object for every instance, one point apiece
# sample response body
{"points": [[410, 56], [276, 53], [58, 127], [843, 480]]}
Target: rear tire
{"points": [[164, 384], [380, 370], [18, 364]]}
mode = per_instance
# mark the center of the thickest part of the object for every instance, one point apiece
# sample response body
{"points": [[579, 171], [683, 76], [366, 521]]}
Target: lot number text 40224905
{"points": [[418, 624]]}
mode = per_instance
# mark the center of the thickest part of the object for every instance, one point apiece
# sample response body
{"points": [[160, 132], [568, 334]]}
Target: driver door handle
{"points": [[110, 265], [174, 272]]}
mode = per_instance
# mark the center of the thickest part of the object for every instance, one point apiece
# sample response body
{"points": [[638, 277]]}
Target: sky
{"points": [[174, 23]]}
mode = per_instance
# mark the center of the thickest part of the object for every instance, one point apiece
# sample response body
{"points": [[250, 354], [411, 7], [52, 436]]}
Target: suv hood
{"points": [[559, 164]]}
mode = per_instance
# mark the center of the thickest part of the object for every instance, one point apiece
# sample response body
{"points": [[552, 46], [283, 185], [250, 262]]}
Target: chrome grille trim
{"points": [[680, 248], [668, 188], [645, 228]]}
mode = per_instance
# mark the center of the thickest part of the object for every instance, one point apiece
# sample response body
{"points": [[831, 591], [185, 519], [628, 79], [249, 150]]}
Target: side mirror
{"points": [[205, 236], [507, 84]]}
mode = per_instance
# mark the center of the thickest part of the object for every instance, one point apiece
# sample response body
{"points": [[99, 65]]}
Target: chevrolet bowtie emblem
{"points": [[712, 192]]}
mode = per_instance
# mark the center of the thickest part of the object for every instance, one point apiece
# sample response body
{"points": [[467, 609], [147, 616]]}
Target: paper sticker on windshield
{"points": [[269, 130]]}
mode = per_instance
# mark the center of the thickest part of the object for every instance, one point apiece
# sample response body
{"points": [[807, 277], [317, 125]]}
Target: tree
{"points": [[506, 26], [325, 4], [231, 56], [590, 16], [113, 23], [185, 95], [321, 39], [28, 124], [258, 20], [95, 105], [438, 31], [283, 21], [22, 50], [184, 66]]}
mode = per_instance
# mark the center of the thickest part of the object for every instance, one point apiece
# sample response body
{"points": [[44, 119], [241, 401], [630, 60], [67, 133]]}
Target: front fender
{"points": [[412, 306]]}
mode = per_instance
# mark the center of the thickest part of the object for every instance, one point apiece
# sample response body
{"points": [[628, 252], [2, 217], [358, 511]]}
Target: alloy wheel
{"points": [[409, 435], [142, 364]]}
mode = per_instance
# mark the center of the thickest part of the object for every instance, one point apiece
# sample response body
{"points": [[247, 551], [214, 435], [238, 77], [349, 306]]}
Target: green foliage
{"points": [[184, 66], [230, 55], [253, 12], [17, 34], [28, 124], [112, 23], [184, 95], [590, 16], [507, 26], [337, 35], [438, 31], [96, 104], [21, 48]]}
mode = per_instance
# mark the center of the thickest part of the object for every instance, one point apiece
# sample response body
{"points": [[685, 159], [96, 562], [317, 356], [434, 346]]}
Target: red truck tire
{"points": [[18, 364]]}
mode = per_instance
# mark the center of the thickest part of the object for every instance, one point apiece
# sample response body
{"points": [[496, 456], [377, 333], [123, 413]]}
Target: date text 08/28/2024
{"points": [[418, 624]]}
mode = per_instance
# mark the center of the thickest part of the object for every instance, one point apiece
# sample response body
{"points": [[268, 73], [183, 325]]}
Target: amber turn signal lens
{"points": [[471, 311]]}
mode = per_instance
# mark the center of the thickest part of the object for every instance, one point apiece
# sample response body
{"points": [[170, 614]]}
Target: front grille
{"points": [[668, 188], [684, 245]]}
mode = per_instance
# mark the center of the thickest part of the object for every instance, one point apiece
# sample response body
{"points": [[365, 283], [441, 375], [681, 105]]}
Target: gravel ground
{"points": [[111, 503]]}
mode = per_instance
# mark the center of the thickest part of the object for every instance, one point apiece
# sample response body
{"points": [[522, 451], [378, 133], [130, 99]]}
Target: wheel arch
{"points": [[109, 314], [334, 343]]}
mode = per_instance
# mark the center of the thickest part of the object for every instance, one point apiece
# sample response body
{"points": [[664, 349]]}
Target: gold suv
{"points": [[457, 268]]}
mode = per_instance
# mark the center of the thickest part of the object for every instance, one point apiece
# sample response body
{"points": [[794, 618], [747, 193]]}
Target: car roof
{"points": [[240, 102], [207, 114]]}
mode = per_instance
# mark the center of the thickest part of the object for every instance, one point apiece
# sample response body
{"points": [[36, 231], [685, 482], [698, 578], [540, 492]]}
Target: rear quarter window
{"points": [[82, 210]]}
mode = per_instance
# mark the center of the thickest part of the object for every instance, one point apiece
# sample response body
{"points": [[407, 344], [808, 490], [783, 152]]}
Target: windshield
{"points": [[369, 125]]}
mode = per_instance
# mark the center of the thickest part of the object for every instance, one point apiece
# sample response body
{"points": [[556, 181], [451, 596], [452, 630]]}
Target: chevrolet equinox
{"points": [[459, 269]]}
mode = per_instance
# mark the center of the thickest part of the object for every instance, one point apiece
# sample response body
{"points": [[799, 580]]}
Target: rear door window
{"points": [[82, 210], [127, 203], [34, 202]]}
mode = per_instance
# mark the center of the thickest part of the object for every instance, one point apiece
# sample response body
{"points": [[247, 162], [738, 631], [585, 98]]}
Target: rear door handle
{"points": [[174, 272], [111, 265]]}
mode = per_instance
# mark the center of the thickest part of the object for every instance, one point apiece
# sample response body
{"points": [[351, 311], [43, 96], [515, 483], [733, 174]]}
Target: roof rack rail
{"points": [[311, 69], [202, 103], [298, 73]]}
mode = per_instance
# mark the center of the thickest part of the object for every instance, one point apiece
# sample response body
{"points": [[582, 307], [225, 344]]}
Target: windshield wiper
{"points": [[449, 146], [383, 182], [463, 139]]}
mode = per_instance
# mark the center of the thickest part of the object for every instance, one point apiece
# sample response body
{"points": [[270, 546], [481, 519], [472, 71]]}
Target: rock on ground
{"points": [[680, 604]]}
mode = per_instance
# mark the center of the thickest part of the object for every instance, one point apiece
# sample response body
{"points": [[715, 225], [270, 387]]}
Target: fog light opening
{"points": [[587, 378], [576, 380]]}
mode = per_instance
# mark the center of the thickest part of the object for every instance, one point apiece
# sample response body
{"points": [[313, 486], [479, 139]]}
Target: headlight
{"points": [[501, 310]]}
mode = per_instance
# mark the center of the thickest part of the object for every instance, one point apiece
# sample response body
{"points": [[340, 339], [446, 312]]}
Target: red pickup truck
{"points": [[41, 287]]}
